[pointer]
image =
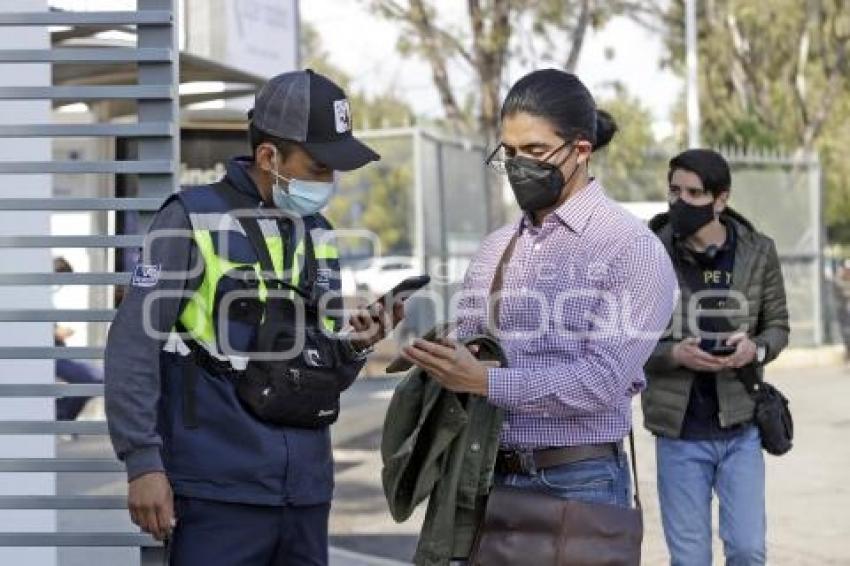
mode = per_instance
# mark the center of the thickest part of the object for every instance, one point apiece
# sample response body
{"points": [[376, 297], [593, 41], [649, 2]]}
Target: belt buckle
{"points": [[526, 462]]}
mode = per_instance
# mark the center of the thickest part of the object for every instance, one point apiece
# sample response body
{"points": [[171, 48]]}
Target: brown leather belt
{"points": [[529, 461]]}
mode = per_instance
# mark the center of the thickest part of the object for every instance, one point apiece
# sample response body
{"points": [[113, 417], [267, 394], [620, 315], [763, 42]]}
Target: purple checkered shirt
{"points": [[585, 297]]}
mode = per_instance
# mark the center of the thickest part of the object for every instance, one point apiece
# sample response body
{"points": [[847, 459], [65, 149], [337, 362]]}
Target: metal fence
{"points": [[433, 191], [154, 93]]}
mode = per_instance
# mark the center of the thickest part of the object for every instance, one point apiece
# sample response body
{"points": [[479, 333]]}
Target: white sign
{"points": [[262, 36]]}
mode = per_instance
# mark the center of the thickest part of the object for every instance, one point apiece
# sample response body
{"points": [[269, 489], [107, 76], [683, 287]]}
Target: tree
{"points": [[379, 199], [376, 197], [833, 149], [773, 74], [484, 45], [624, 167]]}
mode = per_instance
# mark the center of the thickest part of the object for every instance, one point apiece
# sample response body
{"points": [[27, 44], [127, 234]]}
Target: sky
{"points": [[365, 47]]}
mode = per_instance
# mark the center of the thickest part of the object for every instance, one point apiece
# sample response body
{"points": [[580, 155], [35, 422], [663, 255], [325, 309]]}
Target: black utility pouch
{"points": [[297, 390], [772, 414], [773, 417], [280, 394]]}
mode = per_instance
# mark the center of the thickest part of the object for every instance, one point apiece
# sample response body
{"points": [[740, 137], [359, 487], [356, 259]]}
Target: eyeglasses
{"points": [[498, 163]]}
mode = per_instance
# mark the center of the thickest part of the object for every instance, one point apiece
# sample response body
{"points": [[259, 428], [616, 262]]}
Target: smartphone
{"points": [[723, 350], [401, 291]]}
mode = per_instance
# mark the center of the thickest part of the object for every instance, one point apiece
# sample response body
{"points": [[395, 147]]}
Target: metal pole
{"points": [[692, 77], [444, 245], [813, 170], [419, 238], [296, 8]]}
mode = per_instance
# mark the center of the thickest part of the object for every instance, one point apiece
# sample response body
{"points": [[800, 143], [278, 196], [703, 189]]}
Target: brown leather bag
{"points": [[523, 527]]}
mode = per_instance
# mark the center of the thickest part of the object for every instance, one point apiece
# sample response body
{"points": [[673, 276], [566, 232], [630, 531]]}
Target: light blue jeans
{"points": [[601, 480], [688, 472]]}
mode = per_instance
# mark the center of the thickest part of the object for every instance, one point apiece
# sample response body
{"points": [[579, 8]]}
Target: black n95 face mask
{"points": [[536, 184], [686, 219]]}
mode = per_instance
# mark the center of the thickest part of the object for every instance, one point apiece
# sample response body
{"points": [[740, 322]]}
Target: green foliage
{"points": [[379, 199], [776, 75], [835, 155], [623, 166]]}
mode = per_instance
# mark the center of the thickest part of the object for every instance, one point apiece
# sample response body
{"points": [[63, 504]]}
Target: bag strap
{"points": [[493, 309], [251, 226], [638, 504], [750, 378]]}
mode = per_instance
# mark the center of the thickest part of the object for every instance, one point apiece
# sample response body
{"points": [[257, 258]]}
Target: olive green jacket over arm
{"points": [[441, 446]]}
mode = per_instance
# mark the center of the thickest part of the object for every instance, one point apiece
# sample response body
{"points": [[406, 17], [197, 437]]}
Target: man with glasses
{"points": [[582, 292]]}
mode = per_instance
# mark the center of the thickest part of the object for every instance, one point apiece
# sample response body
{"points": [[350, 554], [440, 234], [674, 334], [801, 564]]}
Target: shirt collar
{"points": [[575, 212]]}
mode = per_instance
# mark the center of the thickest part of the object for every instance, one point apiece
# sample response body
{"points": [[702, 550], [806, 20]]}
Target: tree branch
{"points": [[754, 92], [579, 32], [799, 72], [421, 21], [394, 10]]}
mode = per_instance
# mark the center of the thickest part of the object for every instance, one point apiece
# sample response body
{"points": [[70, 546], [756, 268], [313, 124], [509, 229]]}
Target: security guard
{"points": [[205, 472]]}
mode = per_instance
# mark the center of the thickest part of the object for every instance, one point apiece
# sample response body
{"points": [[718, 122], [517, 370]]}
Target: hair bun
{"points": [[606, 127]]}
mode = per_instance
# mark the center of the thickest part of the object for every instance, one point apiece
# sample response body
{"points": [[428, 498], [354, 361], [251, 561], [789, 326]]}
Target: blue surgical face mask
{"points": [[300, 197]]}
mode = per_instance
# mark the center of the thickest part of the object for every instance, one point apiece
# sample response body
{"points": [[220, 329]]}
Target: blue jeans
{"points": [[600, 480], [72, 371], [688, 471]]}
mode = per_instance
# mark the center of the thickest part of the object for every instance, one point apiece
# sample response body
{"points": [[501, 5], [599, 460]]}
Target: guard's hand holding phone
{"points": [[399, 293], [371, 324]]}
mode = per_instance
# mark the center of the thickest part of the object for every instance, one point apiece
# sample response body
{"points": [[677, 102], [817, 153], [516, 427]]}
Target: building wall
{"points": [[25, 260]]}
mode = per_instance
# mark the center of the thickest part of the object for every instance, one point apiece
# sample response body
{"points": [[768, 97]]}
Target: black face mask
{"points": [[687, 219], [537, 184]]}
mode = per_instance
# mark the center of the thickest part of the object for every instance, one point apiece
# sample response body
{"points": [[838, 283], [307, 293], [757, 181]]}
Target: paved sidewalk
{"points": [[808, 495]]}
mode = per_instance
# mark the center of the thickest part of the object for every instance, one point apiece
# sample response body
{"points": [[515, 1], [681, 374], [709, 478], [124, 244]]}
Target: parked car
{"points": [[383, 273]]}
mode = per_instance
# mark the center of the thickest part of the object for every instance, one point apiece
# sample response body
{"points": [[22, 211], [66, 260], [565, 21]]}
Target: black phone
{"points": [[723, 350], [403, 290]]}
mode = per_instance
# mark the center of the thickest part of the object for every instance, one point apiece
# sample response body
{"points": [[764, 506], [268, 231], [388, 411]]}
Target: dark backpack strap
{"points": [[748, 375], [235, 201], [251, 226], [310, 261], [189, 375]]}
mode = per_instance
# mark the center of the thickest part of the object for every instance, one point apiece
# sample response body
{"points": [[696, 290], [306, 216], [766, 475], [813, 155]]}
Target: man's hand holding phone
{"points": [[737, 351], [687, 353]]}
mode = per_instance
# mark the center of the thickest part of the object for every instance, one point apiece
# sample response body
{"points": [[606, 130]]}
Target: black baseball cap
{"points": [[309, 108]]}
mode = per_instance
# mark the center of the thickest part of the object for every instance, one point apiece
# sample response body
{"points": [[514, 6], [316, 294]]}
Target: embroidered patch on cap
{"points": [[145, 275], [342, 116]]}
